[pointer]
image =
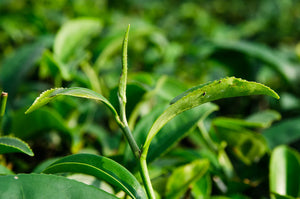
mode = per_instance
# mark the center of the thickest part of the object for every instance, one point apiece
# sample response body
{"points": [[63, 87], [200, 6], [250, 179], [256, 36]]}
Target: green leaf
{"points": [[35, 123], [43, 165], [278, 196], [5, 171], [73, 35], [264, 119], [285, 132], [53, 67], [261, 119], [185, 176], [36, 186], [109, 144], [13, 145], [170, 134], [51, 94], [15, 67], [102, 168], [203, 187], [176, 129], [249, 146], [283, 66], [284, 171], [224, 88]]}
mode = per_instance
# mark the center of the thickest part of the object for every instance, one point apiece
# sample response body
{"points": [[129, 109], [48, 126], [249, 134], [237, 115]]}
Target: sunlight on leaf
{"points": [[224, 88]]}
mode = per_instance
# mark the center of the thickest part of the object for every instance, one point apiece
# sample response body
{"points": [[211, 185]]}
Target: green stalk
{"points": [[124, 124], [207, 137], [145, 177], [122, 99], [3, 100]]}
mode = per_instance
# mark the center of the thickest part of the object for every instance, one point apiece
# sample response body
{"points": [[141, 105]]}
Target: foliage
{"points": [[153, 135]]}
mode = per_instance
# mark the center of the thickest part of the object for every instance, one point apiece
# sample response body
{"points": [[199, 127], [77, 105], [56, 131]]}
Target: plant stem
{"points": [[207, 137], [3, 100], [145, 177], [132, 143], [122, 99], [122, 121], [3, 103]]}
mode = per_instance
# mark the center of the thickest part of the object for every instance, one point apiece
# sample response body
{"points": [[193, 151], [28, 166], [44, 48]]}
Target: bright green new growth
{"points": [[51, 94], [123, 78], [224, 88]]}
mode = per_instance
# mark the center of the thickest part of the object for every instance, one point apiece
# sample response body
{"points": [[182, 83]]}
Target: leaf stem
{"points": [[3, 100], [3, 103]]}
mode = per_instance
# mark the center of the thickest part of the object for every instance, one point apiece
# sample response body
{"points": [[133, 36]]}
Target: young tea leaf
{"points": [[13, 145], [224, 88], [123, 78], [102, 168], [51, 94]]}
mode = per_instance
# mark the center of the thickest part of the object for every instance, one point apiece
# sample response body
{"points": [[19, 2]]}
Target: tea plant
{"points": [[195, 99]]}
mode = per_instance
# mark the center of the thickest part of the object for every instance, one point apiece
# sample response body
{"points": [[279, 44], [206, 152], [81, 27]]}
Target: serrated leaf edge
{"points": [[16, 147]]}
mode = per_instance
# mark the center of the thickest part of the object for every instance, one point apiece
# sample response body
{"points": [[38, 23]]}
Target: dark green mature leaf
{"points": [[110, 143], [73, 35], [224, 88], [185, 176], [51, 94], [13, 145], [284, 171], [278, 63], [35, 123], [42, 166], [15, 67], [36, 186], [285, 132], [102, 168], [176, 129]]}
